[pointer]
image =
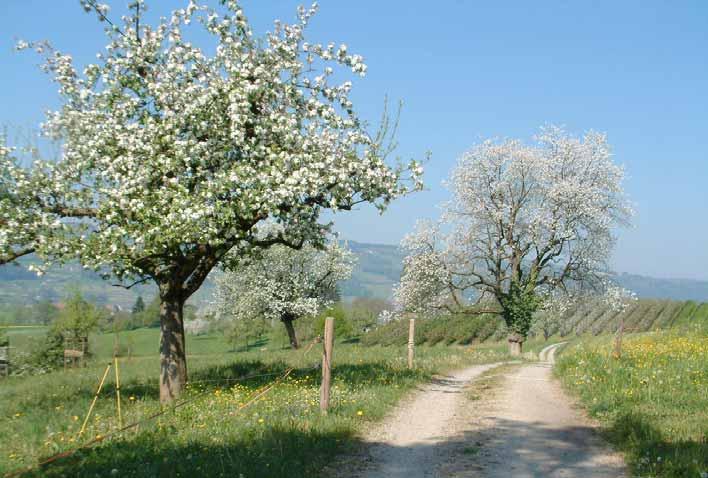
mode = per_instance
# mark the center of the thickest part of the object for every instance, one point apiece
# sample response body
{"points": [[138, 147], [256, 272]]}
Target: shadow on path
{"points": [[510, 449]]}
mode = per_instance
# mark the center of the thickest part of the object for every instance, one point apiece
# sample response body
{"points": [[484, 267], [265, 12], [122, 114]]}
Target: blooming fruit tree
{"points": [[174, 155], [549, 318], [523, 222], [282, 283]]}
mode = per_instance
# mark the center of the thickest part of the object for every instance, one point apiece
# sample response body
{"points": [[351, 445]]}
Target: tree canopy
{"points": [[524, 220], [282, 284], [174, 155]]}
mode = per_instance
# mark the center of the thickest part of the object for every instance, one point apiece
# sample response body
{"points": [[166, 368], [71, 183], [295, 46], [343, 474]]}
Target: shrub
{"points": [[343, 328]]}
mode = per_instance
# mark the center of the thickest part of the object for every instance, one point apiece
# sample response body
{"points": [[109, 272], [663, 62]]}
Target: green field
{"points": [[652, 402], [283, 434]]}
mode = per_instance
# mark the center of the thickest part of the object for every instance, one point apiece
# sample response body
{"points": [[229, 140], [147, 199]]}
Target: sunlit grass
{"points": [[653, 401], [283, 434]]}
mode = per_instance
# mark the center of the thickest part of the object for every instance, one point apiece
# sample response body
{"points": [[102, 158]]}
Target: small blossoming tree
{"points": [[282, 284], [549, 318], [174, 155], [524, 221], [618, 299]]}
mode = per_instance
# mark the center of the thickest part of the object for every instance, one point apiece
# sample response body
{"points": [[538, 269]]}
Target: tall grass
{"points": [[652, 402]]}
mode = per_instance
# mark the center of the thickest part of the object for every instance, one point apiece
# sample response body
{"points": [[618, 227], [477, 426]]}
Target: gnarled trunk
{"points": [[290, 327], [173, 357]]}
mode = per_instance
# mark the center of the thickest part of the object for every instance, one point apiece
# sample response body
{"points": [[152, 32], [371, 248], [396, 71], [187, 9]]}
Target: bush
{"points": [[343, 328]]}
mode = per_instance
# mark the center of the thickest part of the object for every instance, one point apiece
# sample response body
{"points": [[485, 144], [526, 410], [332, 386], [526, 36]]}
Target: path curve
{"points": [[531, 430], [548, 354]]}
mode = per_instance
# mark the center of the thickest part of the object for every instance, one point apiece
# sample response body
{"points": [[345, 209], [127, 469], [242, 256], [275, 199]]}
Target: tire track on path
{"points": [[526, 429]]}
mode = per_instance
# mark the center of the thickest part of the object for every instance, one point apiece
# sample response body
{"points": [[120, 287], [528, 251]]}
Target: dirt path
{"points": [[548, 354], [526, 429], [531, 430], [416, 439]]}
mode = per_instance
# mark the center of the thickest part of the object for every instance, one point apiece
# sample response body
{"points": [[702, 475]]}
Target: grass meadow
{"points": [[281, 434], [652, 402]]}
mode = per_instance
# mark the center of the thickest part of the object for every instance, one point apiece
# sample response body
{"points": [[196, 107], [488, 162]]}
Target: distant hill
{"points": [[379, 268], [676, 289]]}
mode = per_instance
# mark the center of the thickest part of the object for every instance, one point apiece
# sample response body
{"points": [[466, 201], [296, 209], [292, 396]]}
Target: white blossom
{"points": [[617, 298], [174, 156], [281, 283], [523, 221], [166, 147]]}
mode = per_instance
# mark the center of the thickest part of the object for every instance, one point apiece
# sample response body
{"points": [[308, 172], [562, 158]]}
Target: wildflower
{"points": [[359, 412]]}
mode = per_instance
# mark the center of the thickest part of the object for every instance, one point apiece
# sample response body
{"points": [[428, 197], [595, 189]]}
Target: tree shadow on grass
{"points": [[257, 344], [651, 453], [352, 340], [248, 453], [252, 374]]}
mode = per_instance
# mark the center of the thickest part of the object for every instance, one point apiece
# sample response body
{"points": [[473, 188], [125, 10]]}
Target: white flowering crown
{"points": [[523, 221], [173, 156]]}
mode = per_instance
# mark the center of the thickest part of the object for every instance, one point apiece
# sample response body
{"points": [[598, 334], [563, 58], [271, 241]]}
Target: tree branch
{"points": [[128, 287], [14, 255]]}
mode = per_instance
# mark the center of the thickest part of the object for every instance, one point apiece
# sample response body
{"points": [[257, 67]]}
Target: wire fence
{"points": [[101, 438]]}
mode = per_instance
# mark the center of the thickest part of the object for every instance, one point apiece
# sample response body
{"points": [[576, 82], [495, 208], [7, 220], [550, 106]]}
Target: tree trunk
{"points": [[288, 322], [515, 344], [173, 358]]}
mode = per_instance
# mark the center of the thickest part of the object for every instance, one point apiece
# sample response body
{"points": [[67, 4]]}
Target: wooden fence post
{"points": [[120, 415], [5, 359], [327, 364], [411, 342], [618, 340]]}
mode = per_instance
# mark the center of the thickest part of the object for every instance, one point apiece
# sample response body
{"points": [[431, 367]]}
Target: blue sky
{"points": [[637, 70]]}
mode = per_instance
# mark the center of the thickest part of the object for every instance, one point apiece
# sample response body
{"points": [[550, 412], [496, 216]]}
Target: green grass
{"points": [[23, 339], [281, 435], [136, 343], [489, 383], [652, 402]]}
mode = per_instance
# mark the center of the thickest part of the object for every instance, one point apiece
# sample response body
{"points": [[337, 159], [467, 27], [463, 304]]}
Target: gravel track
{"points": [[525, 428]]}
